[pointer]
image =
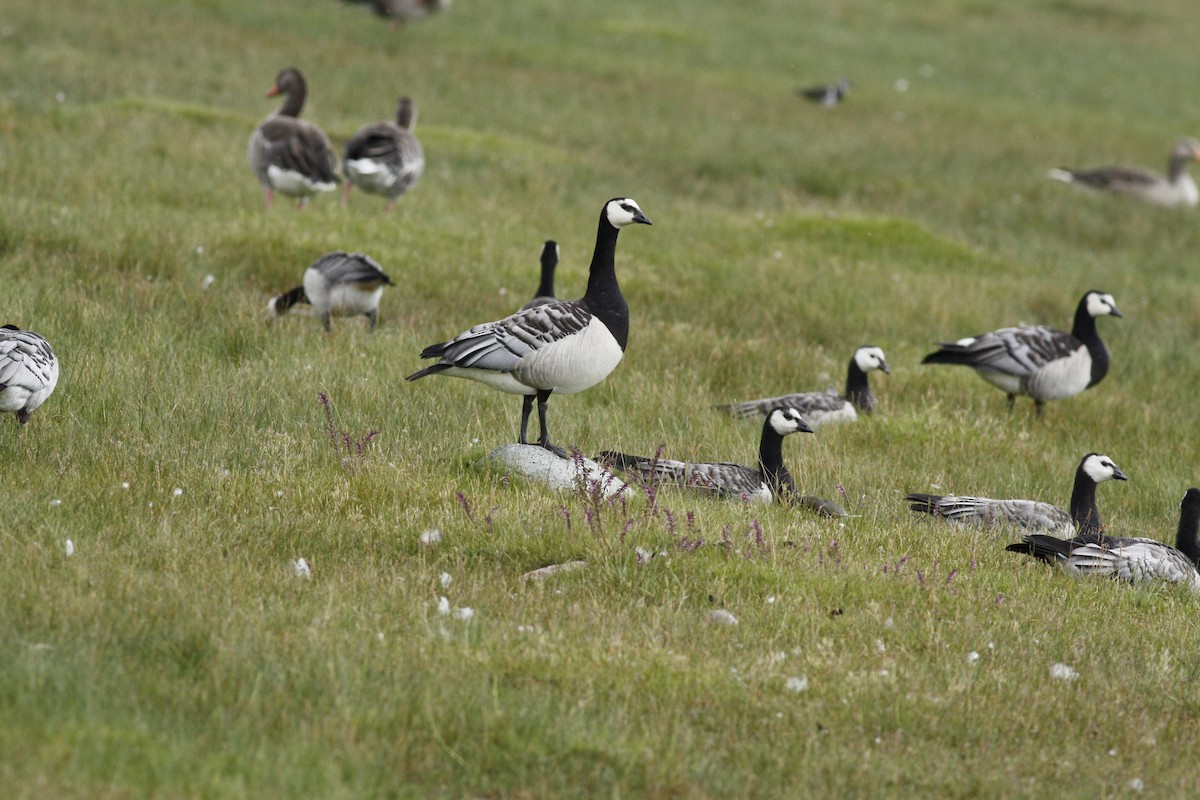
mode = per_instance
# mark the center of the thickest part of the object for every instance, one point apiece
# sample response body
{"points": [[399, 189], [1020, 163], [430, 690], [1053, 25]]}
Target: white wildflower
{"points": [[443, 605], [722, 617], [60, 97], [902, 85], [771, 600], [1062, 672], [445, 580], [972, 657], [1137, 784], [56, 502], [880, 647], [124, 484], [889, 623], [70, 548], [797, 683], [431, 536], [178, 492], [464, 614], [208, 281], [302, 569]]}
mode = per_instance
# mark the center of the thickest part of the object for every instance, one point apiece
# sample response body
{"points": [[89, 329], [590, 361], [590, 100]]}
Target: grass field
{"points": [[188, 457]]}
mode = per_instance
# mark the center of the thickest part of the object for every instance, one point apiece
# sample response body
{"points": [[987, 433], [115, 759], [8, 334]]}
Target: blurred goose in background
{"points": [[1133, 559], [819, 408], [1043, 363], [770, 482], [1174, 189], [290, 155], [403, 11], [385, 158], [337, 284], [28, 371], [545, 290], [1084, 517], [827, 94], [564, 346]]}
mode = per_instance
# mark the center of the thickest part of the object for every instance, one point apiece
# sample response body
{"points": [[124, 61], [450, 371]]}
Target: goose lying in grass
{"points": [[290, 155], [338, 284], [385, 158], [827, 94], [28, 371], [403, 11], [1043, 363], [819, 408], [1174, 189], [545, 290], [769, 482], [1084, 517], [1133, 559]]}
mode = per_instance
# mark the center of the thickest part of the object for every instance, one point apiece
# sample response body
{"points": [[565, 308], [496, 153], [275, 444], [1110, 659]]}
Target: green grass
{"points": [[176, 654]]}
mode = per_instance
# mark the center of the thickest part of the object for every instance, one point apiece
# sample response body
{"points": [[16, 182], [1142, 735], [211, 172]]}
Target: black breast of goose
{"points": [[770, 482], [290, 155], [386, 158], [545, 290], [819, 408], [28, 371], [338, 284], [1043, 363], [1128, 558], [564, 346], [1176, 188], [827, 94], [1083, 518]]}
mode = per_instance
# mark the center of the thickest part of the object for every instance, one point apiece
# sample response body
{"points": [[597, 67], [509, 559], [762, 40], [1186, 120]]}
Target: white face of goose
{"points": [[1101, 468], [785, 420], [868, 358], [622, 211], [1100, 304]]}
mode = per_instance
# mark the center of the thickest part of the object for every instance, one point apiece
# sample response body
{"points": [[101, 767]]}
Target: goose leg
{"points": [[346, 194], [327, 320], [526, 410], [373, 315], [1039, 405], [543, 396], [269, 196], [1012, 399]]}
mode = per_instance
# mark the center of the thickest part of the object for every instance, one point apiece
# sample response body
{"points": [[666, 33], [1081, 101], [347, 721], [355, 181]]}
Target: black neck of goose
{"points": [[858, 389], [1186, 540], [293, 103], [406, 115], [1085, 331], [603, 297], [770, 463], [546, 287], [1084, 512]]}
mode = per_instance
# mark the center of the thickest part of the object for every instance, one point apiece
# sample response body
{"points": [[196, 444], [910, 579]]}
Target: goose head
{"points": [[869, 358], [1101, 468], [289, 81], [1100, 304], [622, 211], [549, 254], [785, 419]]}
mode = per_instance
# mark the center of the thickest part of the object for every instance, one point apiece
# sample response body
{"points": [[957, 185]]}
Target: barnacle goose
{"points": [[565, 346], [827, 94], [403, 11], [1133, 559], [28, 371], [1084, 517], [821, 407], [1043, 363], [1174, 189], [545, 290], [338, 284], [290, 155], [385, 158]]}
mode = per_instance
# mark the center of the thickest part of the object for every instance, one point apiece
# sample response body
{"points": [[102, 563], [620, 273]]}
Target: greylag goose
{"points": [[819, 408], [386, 158], [1083, 518], [545, 290], [1174, 189], [338, 284], [564, 346], [28, 371], [1133, 559], [290, 155], [1043, 363]]}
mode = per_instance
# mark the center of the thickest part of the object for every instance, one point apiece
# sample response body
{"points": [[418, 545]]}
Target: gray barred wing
{"points": [[501, 345]]}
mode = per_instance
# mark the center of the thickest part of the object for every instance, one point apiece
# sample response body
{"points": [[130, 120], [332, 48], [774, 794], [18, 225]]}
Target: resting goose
{"points": [[403, 11], [1030, 514], [564, 346], [290, 155], [28, 371], [819, 408], [338, 284], [545, 290], [1043, 363], [1132, 559], [385, 158], [1174, 189], [828, 94]]}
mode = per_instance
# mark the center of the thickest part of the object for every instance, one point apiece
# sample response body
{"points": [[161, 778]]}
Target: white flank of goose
{"points": [[545, 290], [1174, 189], [290, 155], [564, 346], [338, 284], [1133, 559], [385, 158], [28, 371], [1083, 518], [1043, 363], [819, 408], [827, 94]]}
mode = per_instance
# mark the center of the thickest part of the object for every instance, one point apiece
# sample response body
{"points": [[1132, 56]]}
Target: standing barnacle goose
{"points": [[1132, 559], [1031, 514], [545, 290], [821, 407], [288, 154], [1041, 362], [338, 284], [1174, 189], [28, 371], [565, 346], [385, 158], [827, 94]]}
